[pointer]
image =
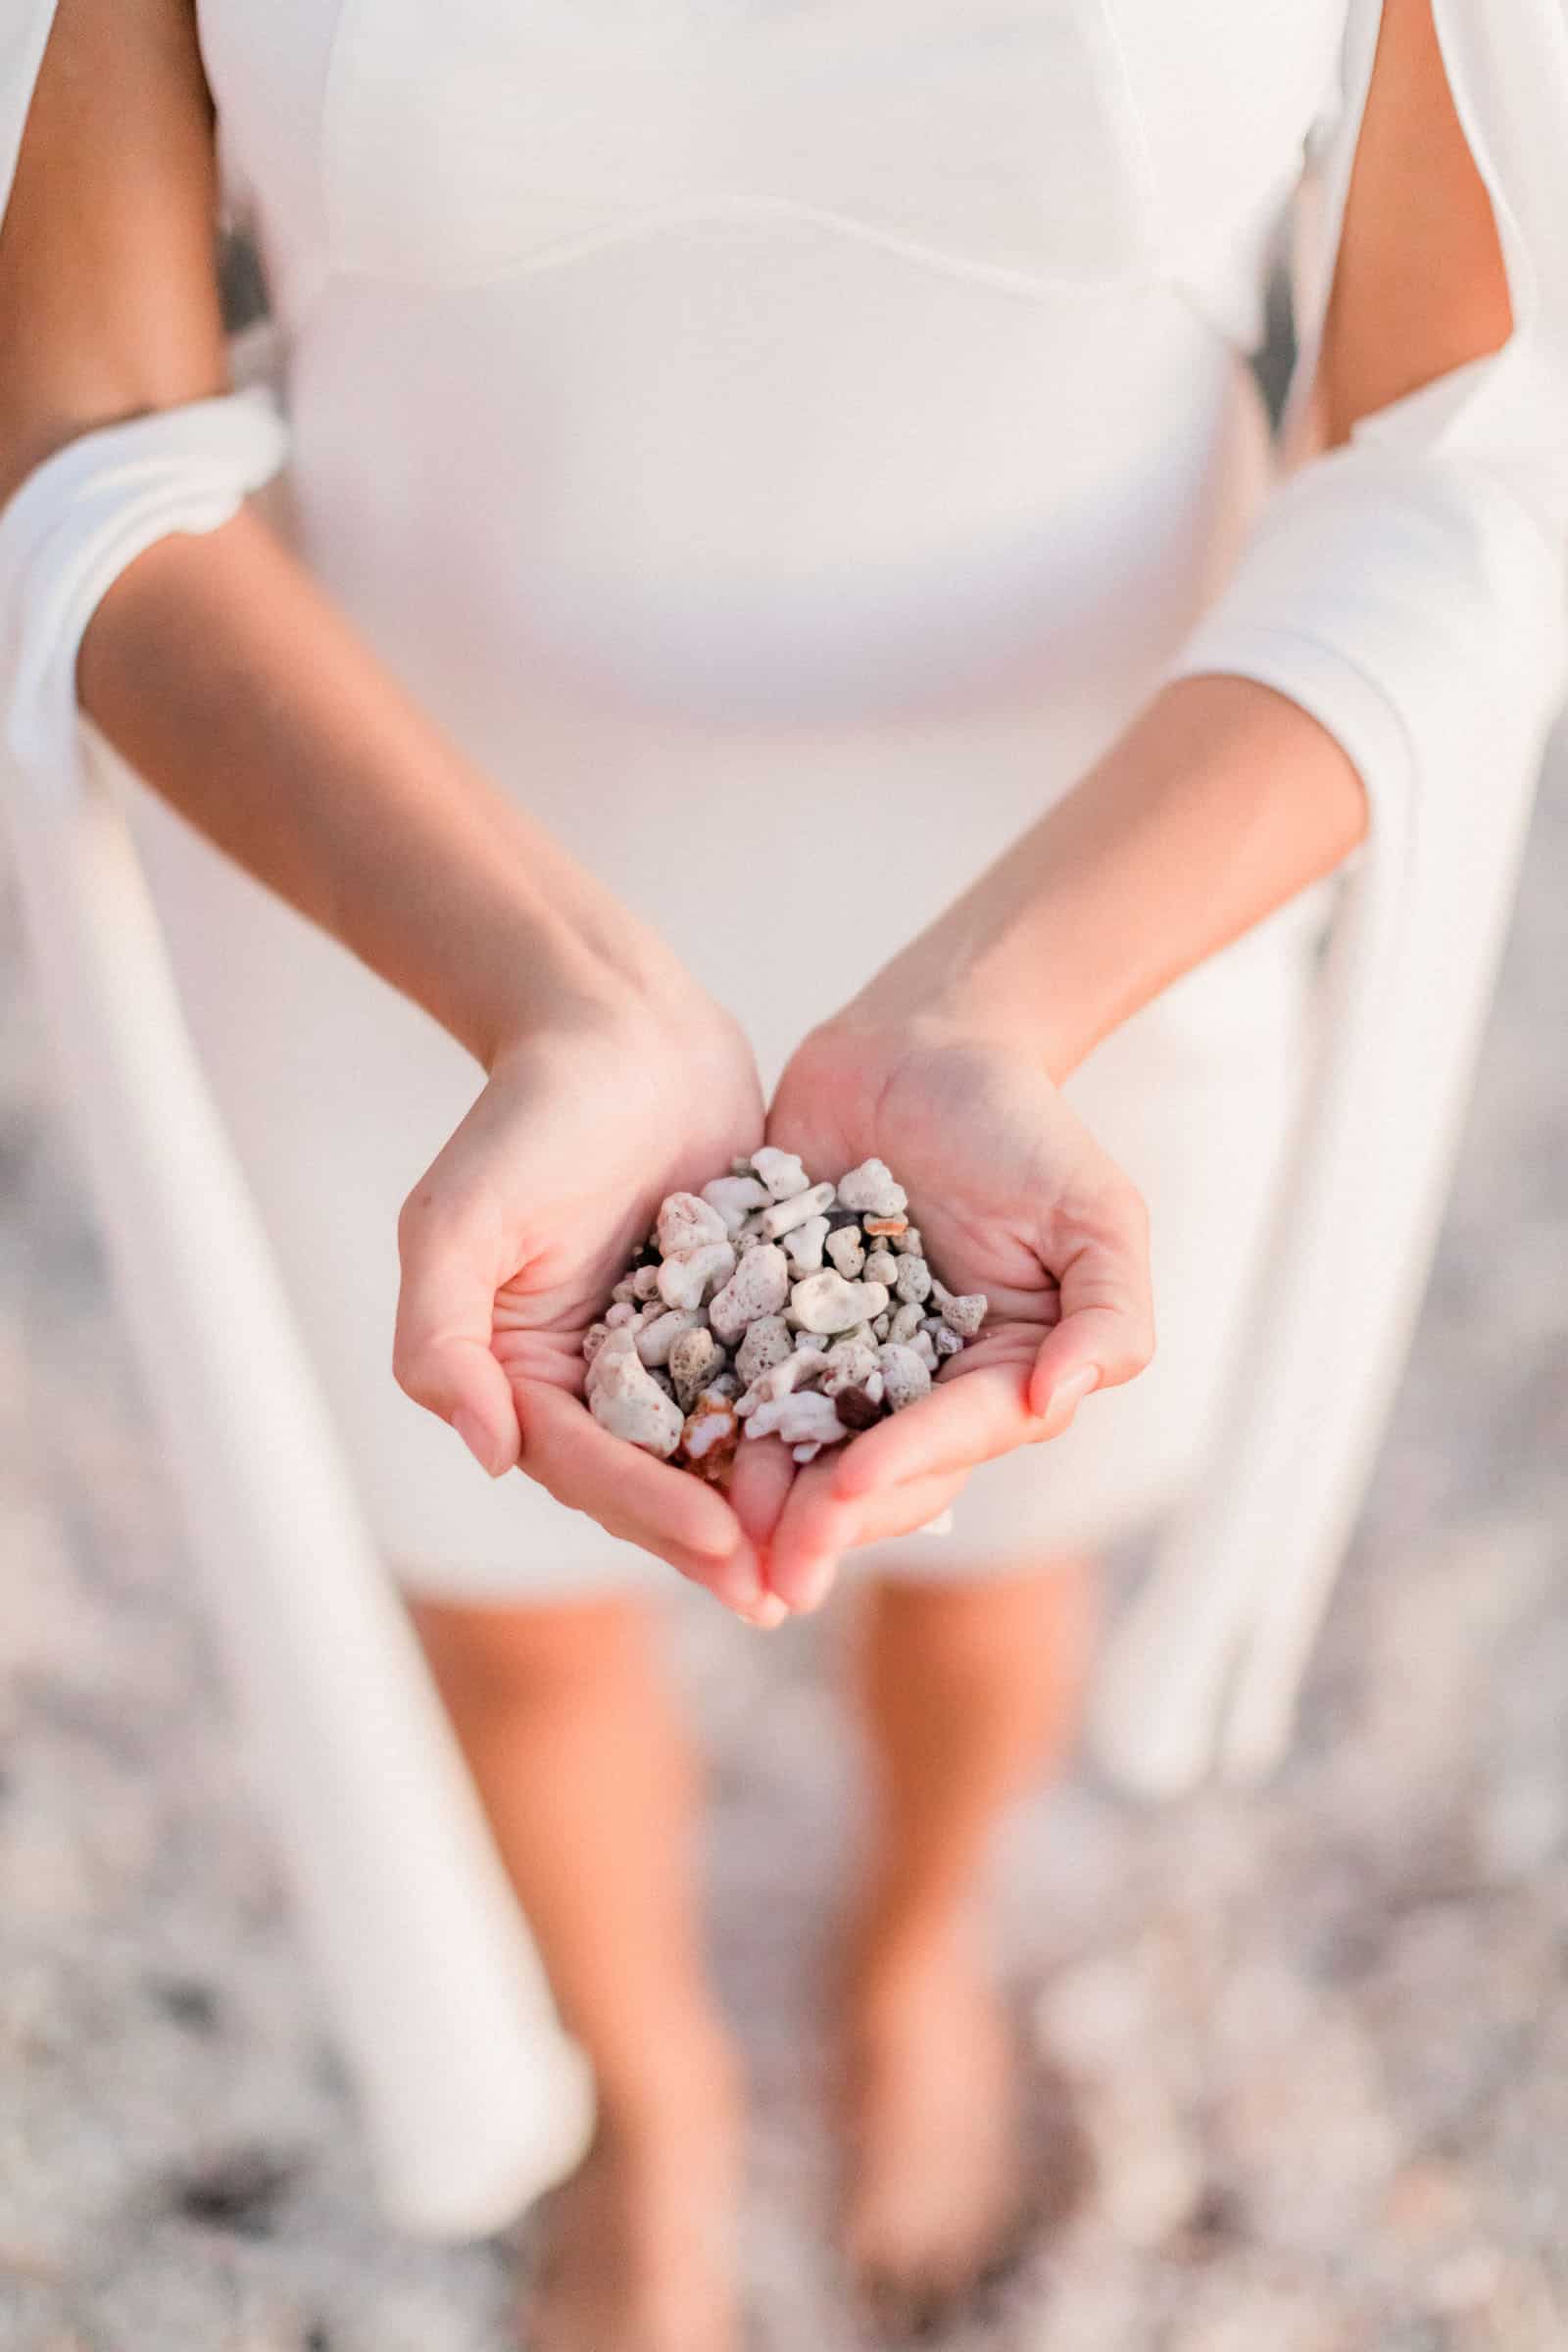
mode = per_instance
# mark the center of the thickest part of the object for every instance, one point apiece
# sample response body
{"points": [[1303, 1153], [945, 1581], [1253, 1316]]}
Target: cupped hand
{"points": [[512, 1239], [1012, 1197]]}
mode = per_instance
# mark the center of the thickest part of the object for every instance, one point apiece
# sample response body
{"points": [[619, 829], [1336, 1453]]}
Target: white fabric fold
{"points": [[471, 2098], [80, 518], [1409, 590]]}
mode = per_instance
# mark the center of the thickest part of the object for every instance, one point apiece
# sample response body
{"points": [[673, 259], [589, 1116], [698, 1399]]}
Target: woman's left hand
{"points": [[1012, 1197]]}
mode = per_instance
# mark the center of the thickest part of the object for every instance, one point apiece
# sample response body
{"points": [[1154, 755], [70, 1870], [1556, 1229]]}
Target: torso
{"points": [[783, 439]]}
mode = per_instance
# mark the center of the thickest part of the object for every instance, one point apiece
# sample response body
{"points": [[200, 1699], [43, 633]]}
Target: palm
{"points": [[984, 1155], [1013, 1198], [587, 1182], [512, 1244]]}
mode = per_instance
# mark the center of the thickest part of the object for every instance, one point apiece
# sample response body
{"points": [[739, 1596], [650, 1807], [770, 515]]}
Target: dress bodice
{"points": [[1038, 144]]}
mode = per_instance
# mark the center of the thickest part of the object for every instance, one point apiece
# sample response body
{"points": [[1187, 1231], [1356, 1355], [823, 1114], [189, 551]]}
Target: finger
{"points": [[967, 1418], [818, 1527], [1106, 1332], [905, 1511], [987, 1409], [441, 1351], [759, 1488], [638, 1498]]}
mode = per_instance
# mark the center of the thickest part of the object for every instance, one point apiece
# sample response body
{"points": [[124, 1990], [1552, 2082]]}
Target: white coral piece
{"points": [[685, 1222], [767, 1343], [735, 1197], [624, 1397], [906, 1379], [781, 1171], [759, 1286], [655, 1341], [804, 1247], [689, 1276], [847, 1250], [803, 1418], [851, 1363], [826, 1302], [872, 1191], [785, 1215]]}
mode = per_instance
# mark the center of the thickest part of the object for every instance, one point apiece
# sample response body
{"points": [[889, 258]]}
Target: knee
{"points": [[965, 1638], [506, 1659]]}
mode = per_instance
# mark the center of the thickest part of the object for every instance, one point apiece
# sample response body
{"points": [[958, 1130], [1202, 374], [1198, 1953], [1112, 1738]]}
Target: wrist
{"points": [[560, 981], [577, 964], [535, 946], [982, 974], [1220, 802]]}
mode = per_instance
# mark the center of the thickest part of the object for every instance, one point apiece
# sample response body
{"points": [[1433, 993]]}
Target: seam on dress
{"points": [[329, 140], [1006, 277], [1140, 154]]}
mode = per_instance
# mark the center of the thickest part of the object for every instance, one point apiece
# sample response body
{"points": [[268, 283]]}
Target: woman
{"points": [[732, 663]]}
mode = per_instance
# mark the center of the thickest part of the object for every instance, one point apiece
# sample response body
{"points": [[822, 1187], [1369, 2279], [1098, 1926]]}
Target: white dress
{"points": [[748, 425], [818, 427]]}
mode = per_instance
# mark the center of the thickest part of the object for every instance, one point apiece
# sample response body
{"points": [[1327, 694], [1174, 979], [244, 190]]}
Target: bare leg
{"points": [[968, 1691], [590, 1787]]}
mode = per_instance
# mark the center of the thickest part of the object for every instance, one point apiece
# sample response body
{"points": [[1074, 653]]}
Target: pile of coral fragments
{"points": [[773, 1307]]}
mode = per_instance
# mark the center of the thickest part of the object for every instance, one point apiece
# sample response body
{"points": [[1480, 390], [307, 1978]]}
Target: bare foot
{"points": [[636, 2248], [936, 2200]]}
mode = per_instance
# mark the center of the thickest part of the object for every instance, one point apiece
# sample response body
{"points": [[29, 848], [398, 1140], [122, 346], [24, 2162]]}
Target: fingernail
{"points": [[768, 1613], [815, 1588], [1069, 1397], [740, 1587], [477, 1439]]}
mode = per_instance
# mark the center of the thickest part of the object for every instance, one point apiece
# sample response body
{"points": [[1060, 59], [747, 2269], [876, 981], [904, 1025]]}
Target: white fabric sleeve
{"points": [[82, 515], [77, 522], [1409, 590]]}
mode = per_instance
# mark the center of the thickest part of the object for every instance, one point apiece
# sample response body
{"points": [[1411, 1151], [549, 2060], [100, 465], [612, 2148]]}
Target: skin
{"points": [[637, 2245], [967, 1695], [289, 745]]}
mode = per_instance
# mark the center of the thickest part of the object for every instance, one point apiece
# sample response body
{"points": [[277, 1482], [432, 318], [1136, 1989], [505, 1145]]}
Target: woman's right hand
{"points": [[512, 1239]]}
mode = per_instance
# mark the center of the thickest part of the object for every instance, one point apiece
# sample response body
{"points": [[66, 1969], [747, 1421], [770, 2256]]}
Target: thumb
{"points": [[441, 1354], [1106, 1332]]}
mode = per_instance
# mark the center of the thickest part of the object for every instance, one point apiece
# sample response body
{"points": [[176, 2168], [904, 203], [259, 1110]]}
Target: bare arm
{"points": [[244, 698], [213, 664], [1225, 799], [1419, 284]]}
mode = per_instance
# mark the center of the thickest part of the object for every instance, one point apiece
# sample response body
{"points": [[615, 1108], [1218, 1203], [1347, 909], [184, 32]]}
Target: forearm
{"points": [[1221, 801], [237, 691]]}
